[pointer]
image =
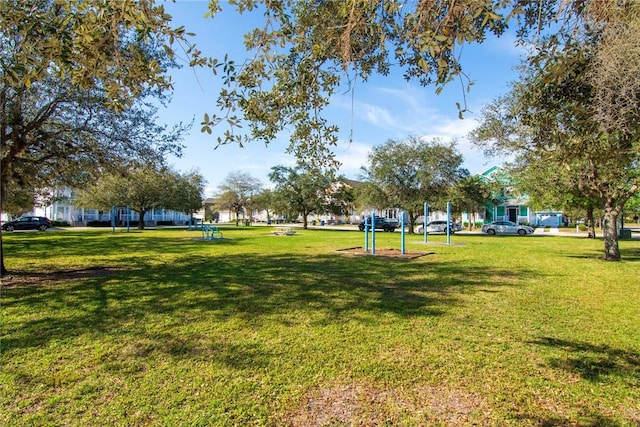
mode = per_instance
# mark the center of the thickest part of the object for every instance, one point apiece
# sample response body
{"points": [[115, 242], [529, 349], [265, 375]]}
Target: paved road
{"points": [[540, 231], [635, 232]]}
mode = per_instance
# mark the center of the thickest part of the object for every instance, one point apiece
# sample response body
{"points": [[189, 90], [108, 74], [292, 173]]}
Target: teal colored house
{"points": [[507, 205]]}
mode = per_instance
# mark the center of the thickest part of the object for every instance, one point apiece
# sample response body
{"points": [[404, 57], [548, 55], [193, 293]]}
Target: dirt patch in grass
{"points": [[55, 277], [362, 404], [385, 252], [633, 415]]}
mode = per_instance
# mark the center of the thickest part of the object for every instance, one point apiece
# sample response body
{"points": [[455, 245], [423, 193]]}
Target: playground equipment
{"points": [[115, 210], [370, 226], [426, 220]]}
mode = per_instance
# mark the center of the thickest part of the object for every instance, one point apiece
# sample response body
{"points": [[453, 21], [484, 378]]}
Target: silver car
{"points": [[439, 227], [506, 227]]}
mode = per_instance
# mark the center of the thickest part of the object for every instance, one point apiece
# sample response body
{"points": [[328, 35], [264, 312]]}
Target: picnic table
{"points": [[211, 233], [284, 231]]}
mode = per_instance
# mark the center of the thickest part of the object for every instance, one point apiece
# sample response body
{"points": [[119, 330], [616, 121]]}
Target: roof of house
{"points": [[491, 171]]}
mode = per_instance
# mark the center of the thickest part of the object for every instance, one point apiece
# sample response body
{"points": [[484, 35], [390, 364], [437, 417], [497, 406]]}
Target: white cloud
{"points": [[397, 113], [507, 44], [375, 115], [352, 156]]}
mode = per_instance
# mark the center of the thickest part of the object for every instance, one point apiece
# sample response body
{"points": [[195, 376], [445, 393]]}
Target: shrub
{"points": [[99, 224]]}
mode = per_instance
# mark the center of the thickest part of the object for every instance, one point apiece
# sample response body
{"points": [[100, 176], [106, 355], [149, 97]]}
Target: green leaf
{"points": [[423, 65]]}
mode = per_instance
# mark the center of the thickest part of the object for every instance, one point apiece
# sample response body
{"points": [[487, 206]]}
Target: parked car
{"points": [[506, 227], [440, 226], [28, 223], [384, 224]]}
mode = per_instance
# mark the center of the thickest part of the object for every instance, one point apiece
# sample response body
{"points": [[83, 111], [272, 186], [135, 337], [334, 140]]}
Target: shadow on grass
{"points": [[252, 288], [593, 362], [588, 418], [105, 243], [630, 254]]}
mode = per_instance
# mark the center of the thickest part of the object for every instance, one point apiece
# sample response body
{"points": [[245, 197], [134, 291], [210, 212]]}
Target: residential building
{"points": [[509, 205], [60, 207]]}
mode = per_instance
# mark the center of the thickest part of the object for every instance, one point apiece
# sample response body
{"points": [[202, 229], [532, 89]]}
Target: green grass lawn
{"points": [[162, 328]]}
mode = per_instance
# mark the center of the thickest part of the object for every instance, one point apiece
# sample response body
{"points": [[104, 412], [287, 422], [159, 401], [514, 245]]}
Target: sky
{"points": [[383, 108]]}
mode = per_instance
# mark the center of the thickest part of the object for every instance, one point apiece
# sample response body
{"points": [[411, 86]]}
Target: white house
{"points": [[61, 208]]}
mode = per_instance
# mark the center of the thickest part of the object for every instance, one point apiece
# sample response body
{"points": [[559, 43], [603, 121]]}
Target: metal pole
{"points": [[448, 223], [366, 233], [426, 220], [113, 219], [402, 234], [373, 234]]}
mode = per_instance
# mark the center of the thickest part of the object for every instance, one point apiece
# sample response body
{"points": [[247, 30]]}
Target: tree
{"points": [[73, 78], [369, 195], [113, 46], [553, 188], [632, 208], [263, 201], [341, 197], [73, 83], [470, 194], [236, 192], [610, 32], [141, 189], [302, 190], [303, 51], [551, 118], [409, 173], [55, 136], [187, 193]]}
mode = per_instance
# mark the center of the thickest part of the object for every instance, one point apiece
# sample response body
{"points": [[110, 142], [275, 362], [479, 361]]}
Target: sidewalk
{"points": [[568, 232], [554, 231]]}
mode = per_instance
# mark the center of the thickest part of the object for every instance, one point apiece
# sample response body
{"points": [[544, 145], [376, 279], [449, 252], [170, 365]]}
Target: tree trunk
{"points": [[3, 269], [610, 233], [591, 226], [412, 222], [141, 221], [305, 220]]}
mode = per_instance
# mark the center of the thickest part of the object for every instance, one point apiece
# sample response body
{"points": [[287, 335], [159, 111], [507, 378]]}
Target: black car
{"points": [[384, 224], [28, 223]]}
